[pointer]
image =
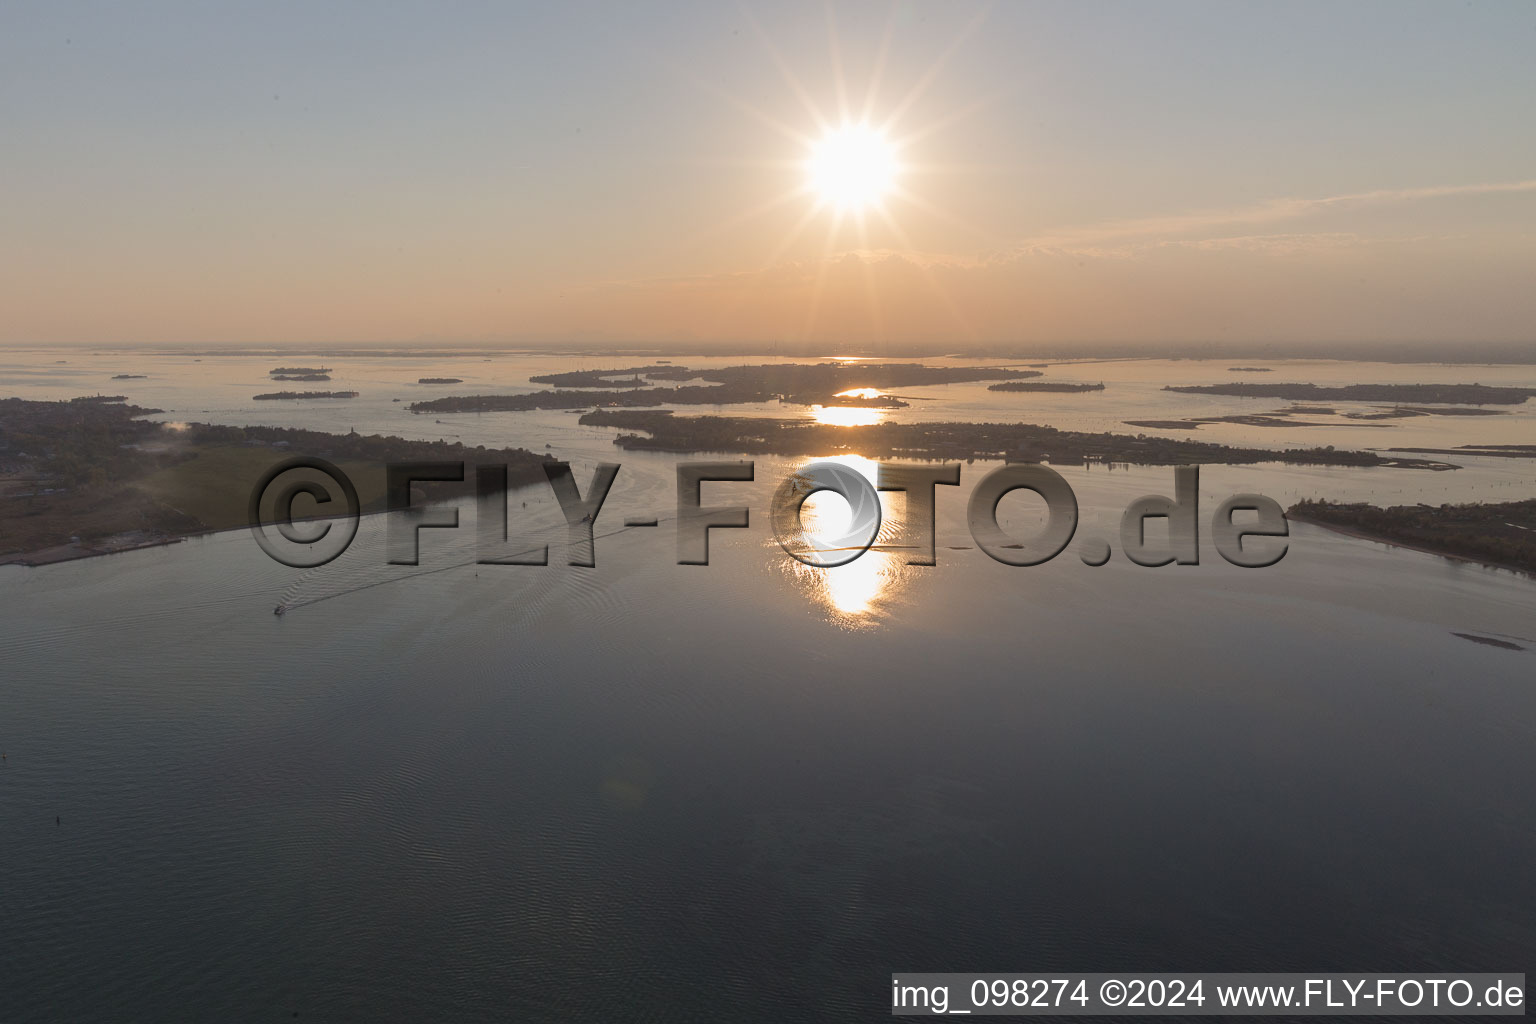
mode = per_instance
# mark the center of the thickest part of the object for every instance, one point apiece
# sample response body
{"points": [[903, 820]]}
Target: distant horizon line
{"points": [[1489, 352]]}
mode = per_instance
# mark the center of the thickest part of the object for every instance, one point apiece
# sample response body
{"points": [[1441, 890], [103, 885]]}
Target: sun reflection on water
{"points": [[856, 594], [856, 590]]}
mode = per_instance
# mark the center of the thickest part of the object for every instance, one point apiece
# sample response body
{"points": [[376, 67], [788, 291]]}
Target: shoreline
{"points": [[1359, 534], [117, 544], [77, 551], [135, 540], [665, 431], [117, 482], [140, 540]]}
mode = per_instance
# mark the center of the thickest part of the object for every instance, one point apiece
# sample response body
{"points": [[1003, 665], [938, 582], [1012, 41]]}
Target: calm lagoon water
{"points": [[751, 791]]}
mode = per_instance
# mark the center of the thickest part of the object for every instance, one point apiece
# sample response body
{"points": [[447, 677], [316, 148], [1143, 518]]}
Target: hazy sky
{"points": [[493, 172]]}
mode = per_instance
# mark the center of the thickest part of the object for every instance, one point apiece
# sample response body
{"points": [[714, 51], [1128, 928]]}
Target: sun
{"points": [[852, 167]]}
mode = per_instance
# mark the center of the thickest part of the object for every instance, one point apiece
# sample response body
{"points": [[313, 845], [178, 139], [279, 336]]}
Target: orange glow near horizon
{"points": [[840, 178]]}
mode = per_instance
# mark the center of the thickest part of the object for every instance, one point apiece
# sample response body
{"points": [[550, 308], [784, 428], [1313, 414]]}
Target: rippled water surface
{"points": [[752, 790]]}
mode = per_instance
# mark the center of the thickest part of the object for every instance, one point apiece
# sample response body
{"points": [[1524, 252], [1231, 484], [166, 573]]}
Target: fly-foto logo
{"points": [[1247, 530]]}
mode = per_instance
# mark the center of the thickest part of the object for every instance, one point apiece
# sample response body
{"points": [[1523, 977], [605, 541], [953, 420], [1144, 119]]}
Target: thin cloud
{"points": [[1275, 210]]}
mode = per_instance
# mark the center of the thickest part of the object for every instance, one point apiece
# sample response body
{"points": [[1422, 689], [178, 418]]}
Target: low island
{"points": [[1424, 394], [825, 384], [1286, 417], [1496, 534], [85, 477], [1042, 385], [662, 430]]}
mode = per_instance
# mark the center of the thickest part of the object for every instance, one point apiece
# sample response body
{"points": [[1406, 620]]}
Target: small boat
{"points": [[278, 610]]}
